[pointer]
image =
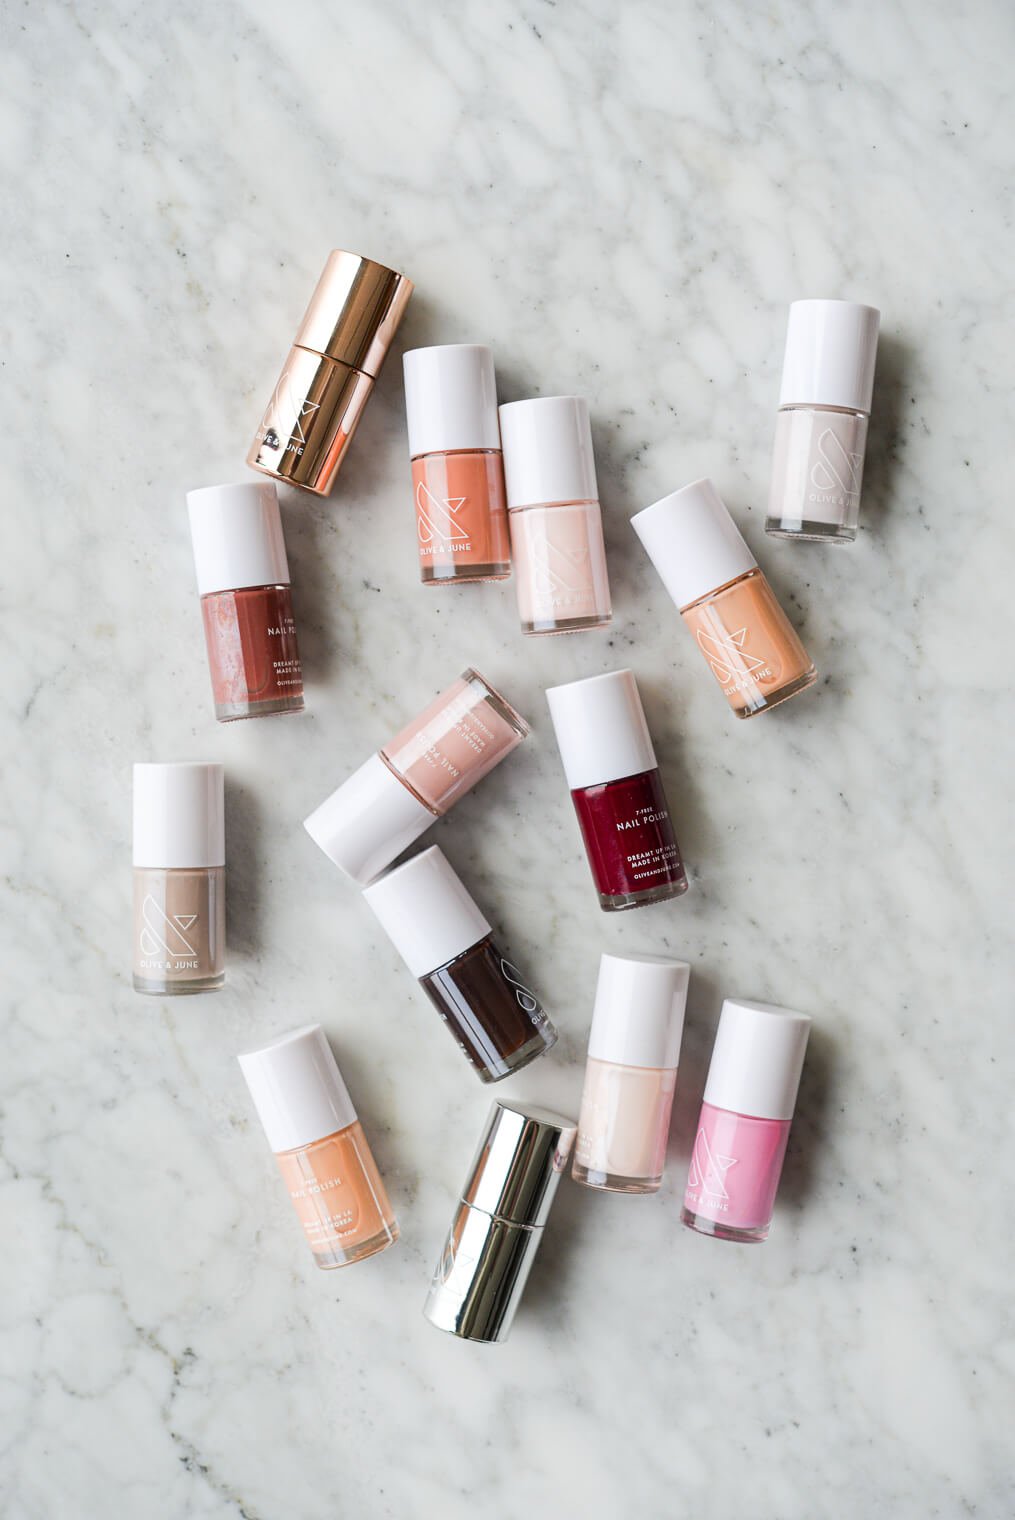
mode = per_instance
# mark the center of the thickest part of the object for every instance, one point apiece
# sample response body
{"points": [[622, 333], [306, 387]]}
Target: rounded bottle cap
{"points": [[367, 821], [601, 730], [179, 815], [831, 351], [450, 398], [638, 1017], [548, 455], [354, 311], [757, 1059], [426, 912], [693, 542], [237, 537], [297, 1089], [516, 1169]]}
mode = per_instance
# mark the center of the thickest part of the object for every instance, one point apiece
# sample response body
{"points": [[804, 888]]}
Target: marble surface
{"points": [[622, 201]]}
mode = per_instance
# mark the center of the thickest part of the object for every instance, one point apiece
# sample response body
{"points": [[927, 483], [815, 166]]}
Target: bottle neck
{"points": [[747, 575]]}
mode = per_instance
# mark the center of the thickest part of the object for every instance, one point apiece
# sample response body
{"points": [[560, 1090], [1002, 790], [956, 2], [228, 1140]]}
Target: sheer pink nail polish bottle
{"points": [[745, 1118]]}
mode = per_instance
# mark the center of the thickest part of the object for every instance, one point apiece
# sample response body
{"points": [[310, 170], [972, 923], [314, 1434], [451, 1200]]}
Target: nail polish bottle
{"points": [[617, 791], [498, 1225], [457, 466], [745, 1118], [554, 515], [246, 603], [179, 877], [631, 1073], [725, 600], [396, 795], [329, 375], [447, 944], [319, 1145], [821, 428]]}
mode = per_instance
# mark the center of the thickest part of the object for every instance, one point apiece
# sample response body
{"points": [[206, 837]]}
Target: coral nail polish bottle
{"points": [[179, 877], [447, 944], [499, 1222], [631, 1073], [457, 466], [329, 375], [745, 1118], [821, 429], [554, 514], [751, 647], [396, 795], [617, 791], [321, 1150], [246, 603]]}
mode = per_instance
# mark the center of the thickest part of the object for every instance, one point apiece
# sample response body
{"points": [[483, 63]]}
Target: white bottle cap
{"points": [[639, 1011], [831, 350], [426, 912], [369, 820], [601, 730], [757, 1059], [237, 537], [297, 1089], [693, 542], [450, 398], [548, 451], [179, 815]]}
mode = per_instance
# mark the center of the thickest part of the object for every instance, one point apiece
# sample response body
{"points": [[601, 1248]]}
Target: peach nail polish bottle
{"points": [[634, 1046], [457, 467], [320, 1147], [554, 514], [749, 643]]}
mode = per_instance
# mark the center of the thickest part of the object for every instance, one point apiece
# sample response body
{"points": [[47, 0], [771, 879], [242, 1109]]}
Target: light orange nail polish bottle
{"points": [[751, 646], [320, 1147]]}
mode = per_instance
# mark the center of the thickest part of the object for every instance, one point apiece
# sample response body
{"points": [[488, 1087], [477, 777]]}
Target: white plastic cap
{"points": [[369, 820], [297, 1089], [426, 912], [601, 730], [548, 451], [638, 1017], [757, 1059], [179, 815], [237, 537], [693, 542], [450, 398], [831, 350]]}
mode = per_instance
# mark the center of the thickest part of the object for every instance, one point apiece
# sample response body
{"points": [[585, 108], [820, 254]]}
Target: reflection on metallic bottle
{"points": [[329, 375]]}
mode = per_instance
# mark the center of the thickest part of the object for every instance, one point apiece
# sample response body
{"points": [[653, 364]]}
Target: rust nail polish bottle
{"points": [[617, 791], [246, 604], [446, 942]]}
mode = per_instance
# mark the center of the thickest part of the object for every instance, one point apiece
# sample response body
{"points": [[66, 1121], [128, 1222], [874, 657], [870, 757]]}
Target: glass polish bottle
{"points": [[821, 428], [749, 643], [179, 925], [617, 791], [447, 944], [745, 1119], [457, 466], [631, 1073], [322, 1153], [246, 602]]}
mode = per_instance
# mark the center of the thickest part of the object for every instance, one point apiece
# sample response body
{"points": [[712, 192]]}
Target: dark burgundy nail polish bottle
{"points": [[448, 945], [616, 789]]}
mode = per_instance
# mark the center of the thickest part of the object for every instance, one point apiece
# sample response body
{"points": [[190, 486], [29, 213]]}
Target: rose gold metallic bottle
{"points": [[330, 372], [320, 1147], [748, 641]]}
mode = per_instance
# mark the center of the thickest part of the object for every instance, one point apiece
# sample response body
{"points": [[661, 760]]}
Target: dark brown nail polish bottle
{"points": [[448, 945]]}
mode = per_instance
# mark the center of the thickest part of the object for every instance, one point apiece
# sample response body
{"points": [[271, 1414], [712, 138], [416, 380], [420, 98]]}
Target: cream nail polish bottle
{"points": [[631, 1074]]}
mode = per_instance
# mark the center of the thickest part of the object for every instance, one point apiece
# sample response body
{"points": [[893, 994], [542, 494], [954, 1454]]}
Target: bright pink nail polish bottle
{"points": [[745, 1118]]}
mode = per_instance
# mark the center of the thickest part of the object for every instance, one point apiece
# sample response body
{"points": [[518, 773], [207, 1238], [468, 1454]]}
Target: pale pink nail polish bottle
{"points": [[745, 1118], [634, 1046]]}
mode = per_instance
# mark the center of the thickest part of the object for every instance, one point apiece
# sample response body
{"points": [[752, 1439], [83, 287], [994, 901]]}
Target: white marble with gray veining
{"points": [[622, 200]]}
